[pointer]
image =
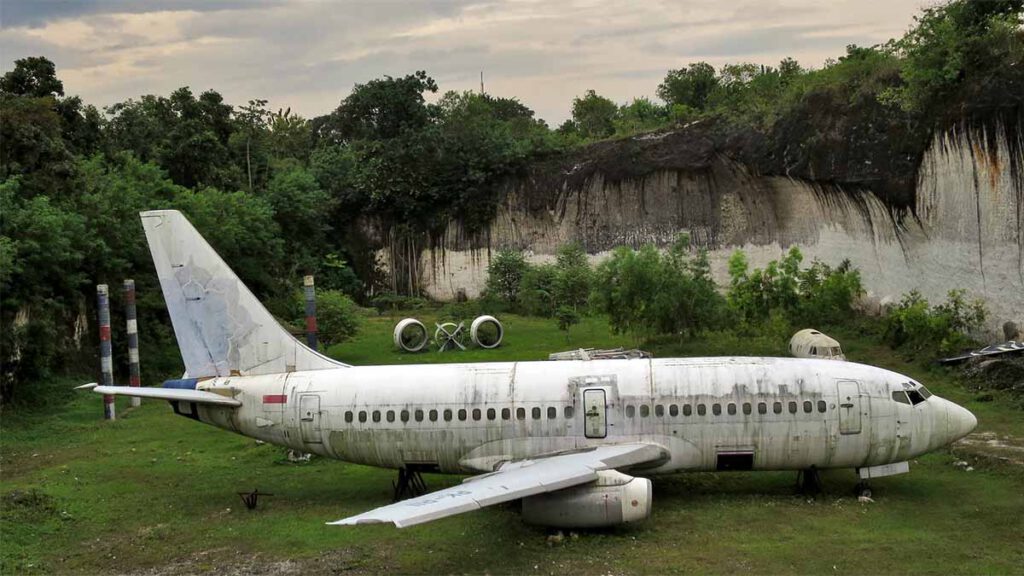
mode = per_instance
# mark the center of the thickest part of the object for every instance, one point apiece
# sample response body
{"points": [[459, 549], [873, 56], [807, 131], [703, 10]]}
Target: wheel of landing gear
{"points": [[411, 335]]}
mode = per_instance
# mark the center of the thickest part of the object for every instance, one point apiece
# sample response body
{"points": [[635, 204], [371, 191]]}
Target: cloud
{"points": [[308, 55]]}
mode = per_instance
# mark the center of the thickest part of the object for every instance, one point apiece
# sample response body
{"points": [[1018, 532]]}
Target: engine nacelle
{"points": [[614, 498]]}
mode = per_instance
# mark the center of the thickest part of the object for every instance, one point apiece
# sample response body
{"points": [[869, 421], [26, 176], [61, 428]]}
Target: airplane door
{"points": [[595, 413], [309, 418], [849, 407]]}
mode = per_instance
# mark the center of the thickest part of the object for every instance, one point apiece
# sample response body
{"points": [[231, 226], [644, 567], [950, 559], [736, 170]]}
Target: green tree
{"points": [[504, 274], [301, 210], [35, 77], [690, 86], [573, 277], [383, 108], [594, 115]]}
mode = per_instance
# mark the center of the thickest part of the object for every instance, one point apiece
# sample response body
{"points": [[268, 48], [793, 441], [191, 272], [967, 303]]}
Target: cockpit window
{"points": [[924, 392], [915, 397], [900, 397]]}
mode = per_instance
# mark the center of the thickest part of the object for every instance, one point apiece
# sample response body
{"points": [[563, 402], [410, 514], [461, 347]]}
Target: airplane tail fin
{"points": [[221, 328]]}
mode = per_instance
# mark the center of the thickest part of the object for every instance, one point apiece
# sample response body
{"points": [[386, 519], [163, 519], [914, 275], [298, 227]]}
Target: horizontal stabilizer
{"points": [[197, 396]]}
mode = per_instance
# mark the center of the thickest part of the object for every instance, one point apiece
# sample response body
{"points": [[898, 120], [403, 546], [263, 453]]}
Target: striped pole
{"points": [[106, 360], [310, 291], [133, 338]]}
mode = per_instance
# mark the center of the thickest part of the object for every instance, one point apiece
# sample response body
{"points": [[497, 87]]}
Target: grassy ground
{"points": [[155, 493]]}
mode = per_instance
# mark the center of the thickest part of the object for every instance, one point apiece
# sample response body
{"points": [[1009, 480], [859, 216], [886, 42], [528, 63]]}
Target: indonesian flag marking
{"points": [[275, 399]]}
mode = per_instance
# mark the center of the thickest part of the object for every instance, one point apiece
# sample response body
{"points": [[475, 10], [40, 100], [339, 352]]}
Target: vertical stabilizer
{"points": [[222, 329]]}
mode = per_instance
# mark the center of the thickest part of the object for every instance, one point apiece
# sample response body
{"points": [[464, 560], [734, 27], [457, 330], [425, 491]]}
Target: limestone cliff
{"points": [[963, 228]]}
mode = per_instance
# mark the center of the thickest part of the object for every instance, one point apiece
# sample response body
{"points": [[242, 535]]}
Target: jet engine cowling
{"points": [[614, 498]]}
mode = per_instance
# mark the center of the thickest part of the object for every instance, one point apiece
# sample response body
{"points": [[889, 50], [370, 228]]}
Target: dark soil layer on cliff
{"points": [[825, 139]]}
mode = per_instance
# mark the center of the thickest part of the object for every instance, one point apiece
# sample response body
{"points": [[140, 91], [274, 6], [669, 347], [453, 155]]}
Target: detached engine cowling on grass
{"points": [[614, 498]]}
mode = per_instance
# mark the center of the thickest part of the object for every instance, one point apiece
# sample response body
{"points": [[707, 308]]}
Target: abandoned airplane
{"points": [[574, 440]]}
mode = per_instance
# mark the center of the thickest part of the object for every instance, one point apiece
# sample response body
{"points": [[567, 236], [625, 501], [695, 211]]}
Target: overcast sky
{"points": [[308, 55]]}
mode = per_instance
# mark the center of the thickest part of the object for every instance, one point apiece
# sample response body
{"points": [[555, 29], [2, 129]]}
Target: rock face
{"points": [[964, 228]]}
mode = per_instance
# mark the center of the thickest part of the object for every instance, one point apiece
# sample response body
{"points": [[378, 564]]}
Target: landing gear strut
{"points": [[808, 482], [862, 489], [410, 484]]}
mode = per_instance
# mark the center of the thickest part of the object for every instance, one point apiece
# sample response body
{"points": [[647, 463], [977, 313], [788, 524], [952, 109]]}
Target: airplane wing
{"points": [[197, 396], [512, 481]]}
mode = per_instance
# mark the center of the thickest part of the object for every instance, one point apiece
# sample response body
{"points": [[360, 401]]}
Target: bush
{"points": [[391, 302], [537, 291], [573, 277], [504, 275], [914, 325], [818, 294], [337, 316], [645, 292]]}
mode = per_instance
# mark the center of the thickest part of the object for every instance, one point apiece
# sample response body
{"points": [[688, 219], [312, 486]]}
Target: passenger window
{"points": [[462, 414], [404, 415], [822, 406], [552, 412], [433, 415], [491, 414], [808, 406], [732, 409], [376, 415], [747, 408], [630, 411], [777, 407], [520, 413], [792, 407], [701, 409], [645, 410], [673, 410], [506, 414], [448, 415], [659, 410], [716, 409], [348, 416], [762, 408], [535, 413], [476, 414], [419, 415], [362, 415], [391, 415], [568, 412], [687, 410]]}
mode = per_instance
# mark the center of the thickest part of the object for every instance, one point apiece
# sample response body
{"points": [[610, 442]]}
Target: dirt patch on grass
{"points": [[992, 447]]}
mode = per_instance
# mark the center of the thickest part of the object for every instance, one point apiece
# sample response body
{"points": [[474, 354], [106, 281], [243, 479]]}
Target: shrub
{"points": [[504, 275], [817, 294], [537, 291], [573, 277], [645, 292], [337, 316], [914, 325]]}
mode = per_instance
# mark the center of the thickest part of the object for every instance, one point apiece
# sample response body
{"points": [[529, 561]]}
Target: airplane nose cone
{"points": [[961, 421]]}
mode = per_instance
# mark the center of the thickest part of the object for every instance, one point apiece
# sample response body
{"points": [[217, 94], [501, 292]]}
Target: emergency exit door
{"points": [[309, 418], [849, 407], [595, 413]]}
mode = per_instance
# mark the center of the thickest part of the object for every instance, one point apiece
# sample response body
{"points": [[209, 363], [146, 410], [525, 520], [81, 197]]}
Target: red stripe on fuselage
{"points": [[275, 399]]}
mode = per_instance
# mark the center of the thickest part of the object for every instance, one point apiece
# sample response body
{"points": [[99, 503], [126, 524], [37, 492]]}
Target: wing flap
{"points": [[177, 394], [512, 481]]}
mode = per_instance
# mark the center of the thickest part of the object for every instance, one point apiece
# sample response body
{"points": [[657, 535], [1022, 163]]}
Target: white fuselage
{"points": [[709, 413]]}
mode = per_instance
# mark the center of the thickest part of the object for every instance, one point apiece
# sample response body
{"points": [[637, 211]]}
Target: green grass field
{"points": [[155, 493]]}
